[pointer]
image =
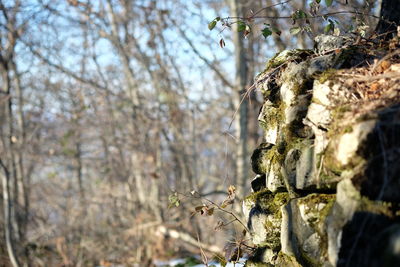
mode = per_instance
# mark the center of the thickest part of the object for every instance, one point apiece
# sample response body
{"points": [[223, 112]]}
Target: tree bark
{"points": [[21, 178], [6, 176], [7, 205], [240, 87]]}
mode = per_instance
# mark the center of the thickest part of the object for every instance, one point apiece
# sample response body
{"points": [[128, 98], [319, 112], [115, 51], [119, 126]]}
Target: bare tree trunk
{"points": [[7, 205], [78, 168], [139, 182], [242, 164], [128, 72], [22, 183], [8, 198]]}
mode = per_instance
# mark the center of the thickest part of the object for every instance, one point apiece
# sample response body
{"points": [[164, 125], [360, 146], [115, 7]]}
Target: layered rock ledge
{"points": [[327, 189]]}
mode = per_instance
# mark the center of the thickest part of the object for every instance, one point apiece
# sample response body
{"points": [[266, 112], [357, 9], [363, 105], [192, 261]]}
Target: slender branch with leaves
{"points": [[301, 20]]}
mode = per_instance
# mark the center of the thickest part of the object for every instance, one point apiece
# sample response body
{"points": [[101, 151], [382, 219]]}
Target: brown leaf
{"points": [[227, 202], [204, 210], [231, 190], [232, 251], [374, 87], [198, 208], [210, 211], [222, 43], [219, 225], [385, 65]]}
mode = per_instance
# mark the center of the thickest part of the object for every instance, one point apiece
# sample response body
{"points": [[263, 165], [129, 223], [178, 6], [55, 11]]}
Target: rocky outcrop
{"points": [[327, 189]]}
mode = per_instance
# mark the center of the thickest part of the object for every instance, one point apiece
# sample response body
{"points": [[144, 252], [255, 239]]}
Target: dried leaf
{"points": [[233, 252], [227, 202], [198, 208], [247, 31], [244, 232], [219, 225], [385, 64], [231, 190], [222, 43], [374, 87], [210, 211]]}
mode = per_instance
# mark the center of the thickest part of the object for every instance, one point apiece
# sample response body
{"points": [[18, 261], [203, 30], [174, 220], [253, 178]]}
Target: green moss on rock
{"points": [[250, 263], [375, 207], [284, 260], [268, 201], [319, 207], [328, 74], [264, 158], [272, 117], [286, 56], [265, 218]]}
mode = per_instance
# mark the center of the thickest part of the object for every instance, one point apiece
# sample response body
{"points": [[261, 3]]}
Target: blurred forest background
{"points": [[108, 107]]}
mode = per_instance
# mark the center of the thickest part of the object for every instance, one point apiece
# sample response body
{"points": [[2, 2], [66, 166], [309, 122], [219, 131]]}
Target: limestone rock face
{"points": [[303, 229], [324, 43], [327, 190]]}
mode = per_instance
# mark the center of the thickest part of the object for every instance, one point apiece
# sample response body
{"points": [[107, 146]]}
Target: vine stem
{"points": [[311, 17], [230, 213], [221, 209]]}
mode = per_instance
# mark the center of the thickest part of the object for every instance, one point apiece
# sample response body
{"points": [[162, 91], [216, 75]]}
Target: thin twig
{"points": [[377, 77], [311, 17], [251, 88], [228, 212], [264, 8], [319, 171], [396, 52], [203, 255]]}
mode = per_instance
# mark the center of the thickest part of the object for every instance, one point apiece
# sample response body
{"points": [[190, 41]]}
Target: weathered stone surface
{"points": [[319, 115], [292, 112], [274, 177], [328, 188], [350, 142], [303, 227], [286, 56], [266, 160], [270, 117], [261, 234], [247, 205], [264, 217], [305, 166], [291, 160], [258, 183], [345, 206], [262, 257], [261, 158], [325, 43], [322, 92], [320, 64]]}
